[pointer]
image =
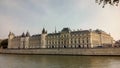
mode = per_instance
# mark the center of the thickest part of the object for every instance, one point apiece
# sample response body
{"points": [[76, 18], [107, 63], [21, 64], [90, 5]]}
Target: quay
{"points": [[65, 51]]}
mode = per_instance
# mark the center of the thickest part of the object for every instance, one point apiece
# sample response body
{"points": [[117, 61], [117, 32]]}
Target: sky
{"points": [[20, 16]]}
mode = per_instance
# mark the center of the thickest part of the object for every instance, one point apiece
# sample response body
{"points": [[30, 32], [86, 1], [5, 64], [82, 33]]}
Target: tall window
{"points": [[83, 41], [79, 40], [71, 42], [87, 40], [75, 41]]}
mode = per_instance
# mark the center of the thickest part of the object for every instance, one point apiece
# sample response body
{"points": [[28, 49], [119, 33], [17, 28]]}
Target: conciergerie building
{"points": [[66, 38]]}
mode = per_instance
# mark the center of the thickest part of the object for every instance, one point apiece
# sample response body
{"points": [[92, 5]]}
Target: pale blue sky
{"points": [[20, 16]]}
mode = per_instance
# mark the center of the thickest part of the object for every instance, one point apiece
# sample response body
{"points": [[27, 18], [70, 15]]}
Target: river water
{"points": [[56, 61]]}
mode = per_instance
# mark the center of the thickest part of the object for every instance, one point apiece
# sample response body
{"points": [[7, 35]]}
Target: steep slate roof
{"points": [[66, 30], [28, 34], [53, 34], [23, 34], [36, 35], [83, 31], [63, 30]]}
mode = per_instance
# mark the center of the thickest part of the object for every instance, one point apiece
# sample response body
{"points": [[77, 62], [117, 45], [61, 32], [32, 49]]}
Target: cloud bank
{"points": [[32, 15]]}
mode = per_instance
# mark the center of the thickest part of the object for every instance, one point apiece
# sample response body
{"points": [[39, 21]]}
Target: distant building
{"points": [[66, 38], [117, 43]]}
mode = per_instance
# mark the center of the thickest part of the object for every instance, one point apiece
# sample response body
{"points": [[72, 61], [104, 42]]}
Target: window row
{"points": [[73, 35], [69, 42]]}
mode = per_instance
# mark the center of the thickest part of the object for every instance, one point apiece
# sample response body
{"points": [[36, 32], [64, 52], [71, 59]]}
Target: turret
{"points": [[43, 38], [27, 34], [23, 34], [10, 37], [25, 40], [44, 31]]}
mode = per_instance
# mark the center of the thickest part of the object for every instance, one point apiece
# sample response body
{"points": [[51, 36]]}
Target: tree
{"points": [[104, 2], [4, 43]]}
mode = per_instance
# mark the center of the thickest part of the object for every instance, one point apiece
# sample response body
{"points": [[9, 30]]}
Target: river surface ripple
{"points": [[56, 61]]}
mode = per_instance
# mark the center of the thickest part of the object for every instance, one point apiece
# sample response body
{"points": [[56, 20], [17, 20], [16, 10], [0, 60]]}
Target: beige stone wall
{"points": [[106, 39], [95, 39], [53, 40], [43, 41], [69, 40], [101, 39], [15, 43], [10, 37], [83, 51], [73, 39], [35, 42], [22, 42], [27, 42]]}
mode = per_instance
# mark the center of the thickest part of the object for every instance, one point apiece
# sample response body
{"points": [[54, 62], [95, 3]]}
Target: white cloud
{"points": [[107, 19], [6, 24], [23, 15]]}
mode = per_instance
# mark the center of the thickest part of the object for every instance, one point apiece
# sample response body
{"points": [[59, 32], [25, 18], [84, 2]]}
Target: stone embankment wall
{"points": [[93, 51]]}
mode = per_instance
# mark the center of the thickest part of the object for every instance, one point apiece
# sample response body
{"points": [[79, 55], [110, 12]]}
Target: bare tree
{"points": [[104, 2]]}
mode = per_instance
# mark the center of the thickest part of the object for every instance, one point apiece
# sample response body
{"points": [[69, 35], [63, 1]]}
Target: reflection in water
{"points": [[55, 61]]}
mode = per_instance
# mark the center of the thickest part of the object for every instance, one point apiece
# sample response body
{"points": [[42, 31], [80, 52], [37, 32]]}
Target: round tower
{"points": [[27, 40], [22, 40], [43, 38], [10, 37]]}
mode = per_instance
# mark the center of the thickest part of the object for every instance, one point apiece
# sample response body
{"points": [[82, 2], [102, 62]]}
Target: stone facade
{"points": [[63, 51], [66, 38]]}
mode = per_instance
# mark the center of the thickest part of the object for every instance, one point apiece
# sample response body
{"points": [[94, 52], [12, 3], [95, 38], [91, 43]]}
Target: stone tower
{"points": [[10, 37], [91, 40], [25, 40], [22, 40], [43, 38]]}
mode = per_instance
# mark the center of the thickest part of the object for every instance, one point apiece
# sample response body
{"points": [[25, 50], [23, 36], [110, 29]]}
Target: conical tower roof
{"points": [[43, 31], [27, 34], [23, 34]]}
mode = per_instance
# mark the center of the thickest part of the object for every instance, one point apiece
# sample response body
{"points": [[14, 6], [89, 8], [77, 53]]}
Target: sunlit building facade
{"points": [[66, 38]]}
